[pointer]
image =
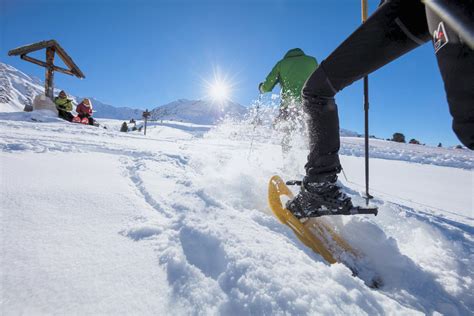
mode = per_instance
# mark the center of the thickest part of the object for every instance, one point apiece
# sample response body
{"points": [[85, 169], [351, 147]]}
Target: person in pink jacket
{"points": [[84, 111]]}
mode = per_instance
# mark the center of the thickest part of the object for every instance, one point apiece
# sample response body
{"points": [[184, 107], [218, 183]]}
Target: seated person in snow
{"points": [[84, 110], [64, 106]]}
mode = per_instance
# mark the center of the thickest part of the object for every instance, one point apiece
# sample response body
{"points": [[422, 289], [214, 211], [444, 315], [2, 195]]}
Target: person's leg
{"points": [[65, 115], [397, 27], [61, 114], [91, 120], [456, 64], [69, 116]]}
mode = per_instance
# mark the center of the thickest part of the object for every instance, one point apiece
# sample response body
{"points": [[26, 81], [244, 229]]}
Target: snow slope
{"points": [[96, 221]]}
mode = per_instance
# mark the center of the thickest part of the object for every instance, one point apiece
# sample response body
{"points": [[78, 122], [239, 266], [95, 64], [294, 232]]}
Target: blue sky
{"points": [[148, 53]]}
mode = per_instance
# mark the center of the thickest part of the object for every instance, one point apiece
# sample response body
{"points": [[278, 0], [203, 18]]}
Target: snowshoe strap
{"points": [[294, 182], [352, 211]]}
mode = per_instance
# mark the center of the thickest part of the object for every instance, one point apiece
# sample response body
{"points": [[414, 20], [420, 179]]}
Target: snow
{"points": [[61, 247], [95, 221]]}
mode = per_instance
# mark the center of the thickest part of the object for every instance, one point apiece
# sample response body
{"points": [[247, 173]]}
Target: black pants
{"points": [[65, 115], [395, 28]]}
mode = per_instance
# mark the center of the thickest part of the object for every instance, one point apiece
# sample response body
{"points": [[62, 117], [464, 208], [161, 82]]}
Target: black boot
{"points": [[319, 194]]}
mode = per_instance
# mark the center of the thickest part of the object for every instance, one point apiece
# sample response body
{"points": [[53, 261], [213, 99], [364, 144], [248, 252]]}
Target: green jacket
{"points": [[291, 73], [63, 104]]}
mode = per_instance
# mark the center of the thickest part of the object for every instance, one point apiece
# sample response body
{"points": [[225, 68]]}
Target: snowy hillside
{"points": [[95, 221], [198, 111], [17, 89]]}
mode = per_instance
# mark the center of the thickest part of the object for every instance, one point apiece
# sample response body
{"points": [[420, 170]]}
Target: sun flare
{"points": [[219, 88], [219, 91]]}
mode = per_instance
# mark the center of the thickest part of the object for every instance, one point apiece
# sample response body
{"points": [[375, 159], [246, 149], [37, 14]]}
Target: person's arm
{"points": [[271, 80], [68, 105], [57, 102]]}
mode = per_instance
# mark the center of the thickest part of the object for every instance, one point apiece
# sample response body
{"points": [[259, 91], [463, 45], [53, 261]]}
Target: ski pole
{"points": [[366, 116]]}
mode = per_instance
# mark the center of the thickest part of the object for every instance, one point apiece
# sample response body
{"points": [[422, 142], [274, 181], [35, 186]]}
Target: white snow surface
{"points": [[176, 222]]}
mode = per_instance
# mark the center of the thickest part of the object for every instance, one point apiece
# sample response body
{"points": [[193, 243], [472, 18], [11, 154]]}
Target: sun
{"points": [[219, 88], [219, 91]]}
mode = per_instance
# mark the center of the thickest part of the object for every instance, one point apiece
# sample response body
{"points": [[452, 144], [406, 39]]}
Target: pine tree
{"points": [[124, 127]]}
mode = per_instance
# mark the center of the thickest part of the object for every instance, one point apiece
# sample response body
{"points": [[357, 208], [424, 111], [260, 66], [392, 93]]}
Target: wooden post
{"points": [[49, 82], [146, 114]]}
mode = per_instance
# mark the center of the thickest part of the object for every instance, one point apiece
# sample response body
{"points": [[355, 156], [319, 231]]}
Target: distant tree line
{"points": [[400, 138]]}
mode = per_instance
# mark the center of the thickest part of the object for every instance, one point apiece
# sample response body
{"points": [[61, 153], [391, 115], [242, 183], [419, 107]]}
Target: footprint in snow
{"points": [[203, 251], [141, 232]]}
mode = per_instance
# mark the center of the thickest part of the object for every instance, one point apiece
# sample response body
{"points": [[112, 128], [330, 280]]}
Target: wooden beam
{"points": [[43, 64], [68, 61], [74, 69], [49, 82], [31, 48]]}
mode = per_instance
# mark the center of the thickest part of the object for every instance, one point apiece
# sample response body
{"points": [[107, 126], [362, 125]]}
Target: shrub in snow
{"points": [[398, 137], [124, 127]]}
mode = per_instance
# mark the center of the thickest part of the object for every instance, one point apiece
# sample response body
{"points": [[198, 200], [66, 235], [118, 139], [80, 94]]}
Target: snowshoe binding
{"points": [[321, 196]]}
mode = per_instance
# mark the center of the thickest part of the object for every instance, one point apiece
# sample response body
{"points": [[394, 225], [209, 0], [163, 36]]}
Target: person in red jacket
{"points": [[84, 111]]}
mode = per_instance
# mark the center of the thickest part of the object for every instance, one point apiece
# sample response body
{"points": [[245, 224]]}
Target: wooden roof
{"points": [[24, 50]]}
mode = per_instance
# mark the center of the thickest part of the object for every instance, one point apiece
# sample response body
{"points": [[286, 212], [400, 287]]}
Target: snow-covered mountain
{"points": [[17, 89], [198, 111]]}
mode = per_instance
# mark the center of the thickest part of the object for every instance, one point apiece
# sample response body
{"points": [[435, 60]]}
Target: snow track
{"points": [[100, 222]]}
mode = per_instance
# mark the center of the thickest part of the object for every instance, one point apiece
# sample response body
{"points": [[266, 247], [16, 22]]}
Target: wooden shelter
{"points": [[52, 47]]}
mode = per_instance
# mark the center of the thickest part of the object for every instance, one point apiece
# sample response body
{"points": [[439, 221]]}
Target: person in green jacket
{"points": [[291, 73], [64, 106]]}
